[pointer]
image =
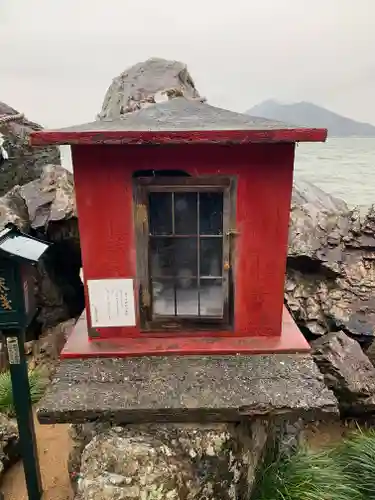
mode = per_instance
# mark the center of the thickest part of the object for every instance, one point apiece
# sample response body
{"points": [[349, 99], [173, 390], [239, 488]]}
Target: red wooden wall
{"points": [[103, 184]]}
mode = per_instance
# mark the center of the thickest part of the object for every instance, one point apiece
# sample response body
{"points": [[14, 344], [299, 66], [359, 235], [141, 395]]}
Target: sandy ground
{"points": [[53, 447], [327, 434]]}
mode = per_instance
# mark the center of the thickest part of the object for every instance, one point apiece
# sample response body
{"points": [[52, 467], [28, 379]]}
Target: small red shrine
{"points": [[183, 219]]}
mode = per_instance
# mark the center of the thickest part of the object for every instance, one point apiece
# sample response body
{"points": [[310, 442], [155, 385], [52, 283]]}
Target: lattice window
{"points": [[183, 251]]}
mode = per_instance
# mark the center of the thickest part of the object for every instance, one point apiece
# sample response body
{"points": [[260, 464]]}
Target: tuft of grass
{"points": [[37, 383], [306, 476], [356, 457]]}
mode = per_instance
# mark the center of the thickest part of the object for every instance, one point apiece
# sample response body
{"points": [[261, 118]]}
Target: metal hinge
{"points": [[141, 214], [146, 297]]}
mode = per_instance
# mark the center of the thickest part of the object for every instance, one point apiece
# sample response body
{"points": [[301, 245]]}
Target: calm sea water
{"points": [[344, 168]]}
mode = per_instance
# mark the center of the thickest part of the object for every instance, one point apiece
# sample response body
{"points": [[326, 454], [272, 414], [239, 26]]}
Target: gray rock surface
{"points": [[46, 350], [347, 372], [167, 461], [182, 461], [81, 435], [46, 206], [330, 273], [163, 462], [9, 452], [144, 84], [25, 163]]}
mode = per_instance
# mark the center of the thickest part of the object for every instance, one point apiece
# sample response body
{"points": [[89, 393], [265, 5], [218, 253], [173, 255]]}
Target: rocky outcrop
{"points": [[45, 351], [144, 84], [181, 461], [46, 208], [177, 461], [330, 282], [81, 435], [25, 163], [347, 372], [9, 451]]}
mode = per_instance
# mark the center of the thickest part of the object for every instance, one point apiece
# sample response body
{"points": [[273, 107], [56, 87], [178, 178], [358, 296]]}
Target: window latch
{"points": [[232, 232], [146, 298]]}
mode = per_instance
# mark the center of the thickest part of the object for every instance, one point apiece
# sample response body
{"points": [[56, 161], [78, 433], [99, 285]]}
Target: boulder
{"points": [[329, 282], [9, 452], [25, 163], [46, 208], [46, 350], [144, 84], [182, 462], [40, 200], [179, 461], [81, 435], [347, 372]]}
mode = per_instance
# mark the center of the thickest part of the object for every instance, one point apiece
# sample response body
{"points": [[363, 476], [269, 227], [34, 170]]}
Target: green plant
{"points": [[306, 476], [37, 383], [356, 457]]}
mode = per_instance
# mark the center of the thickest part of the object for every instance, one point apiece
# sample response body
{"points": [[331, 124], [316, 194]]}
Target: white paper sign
{"points": [[111, 302], [13, 351]]}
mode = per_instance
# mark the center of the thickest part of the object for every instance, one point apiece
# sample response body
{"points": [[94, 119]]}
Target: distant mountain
{"points": [[306, 114]]}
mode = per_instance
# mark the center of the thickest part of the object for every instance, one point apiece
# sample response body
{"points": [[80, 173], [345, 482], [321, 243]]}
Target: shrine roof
{"points": [[178, 121]]}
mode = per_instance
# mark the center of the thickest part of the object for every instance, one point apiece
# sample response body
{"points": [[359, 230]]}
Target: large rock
{"points": [[180, 461], [46, 350], [46, 208], [40, 200], [146, 83], [330, 274], [51, 206], [9, 450], [25, 163], [167, 462], [347, 372], [81, 435]]}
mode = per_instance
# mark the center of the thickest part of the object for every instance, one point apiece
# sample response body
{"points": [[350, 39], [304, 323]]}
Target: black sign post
{"points": [[24, 415], [19, 254]]}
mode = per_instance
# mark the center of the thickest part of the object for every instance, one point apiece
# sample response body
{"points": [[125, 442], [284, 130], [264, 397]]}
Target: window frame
{"points": [[142, 186]]}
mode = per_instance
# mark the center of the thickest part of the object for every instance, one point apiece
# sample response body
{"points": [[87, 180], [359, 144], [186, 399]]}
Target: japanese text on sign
{"points": [[111, 302], [13, 351]]}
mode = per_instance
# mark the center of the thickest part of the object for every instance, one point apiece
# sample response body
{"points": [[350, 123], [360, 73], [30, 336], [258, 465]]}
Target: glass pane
{"points": [[175, 257], [24, 247], [160, 213], [185, 205], [211, 297], [163, 297], [211, 213], [211, 256], [187, 297]]}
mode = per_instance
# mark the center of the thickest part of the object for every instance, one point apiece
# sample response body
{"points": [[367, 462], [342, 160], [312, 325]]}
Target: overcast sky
{"points": [[58, 57]]}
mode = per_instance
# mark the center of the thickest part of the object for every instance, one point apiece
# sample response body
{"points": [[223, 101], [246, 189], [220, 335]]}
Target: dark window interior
{"points": [[183, 250], [186, 253]]}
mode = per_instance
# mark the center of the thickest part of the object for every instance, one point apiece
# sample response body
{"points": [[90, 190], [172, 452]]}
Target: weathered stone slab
{"points": [[186, 388]]}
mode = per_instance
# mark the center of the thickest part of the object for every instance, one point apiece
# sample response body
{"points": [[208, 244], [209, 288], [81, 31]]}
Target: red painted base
{"points": [[78, 344]]}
